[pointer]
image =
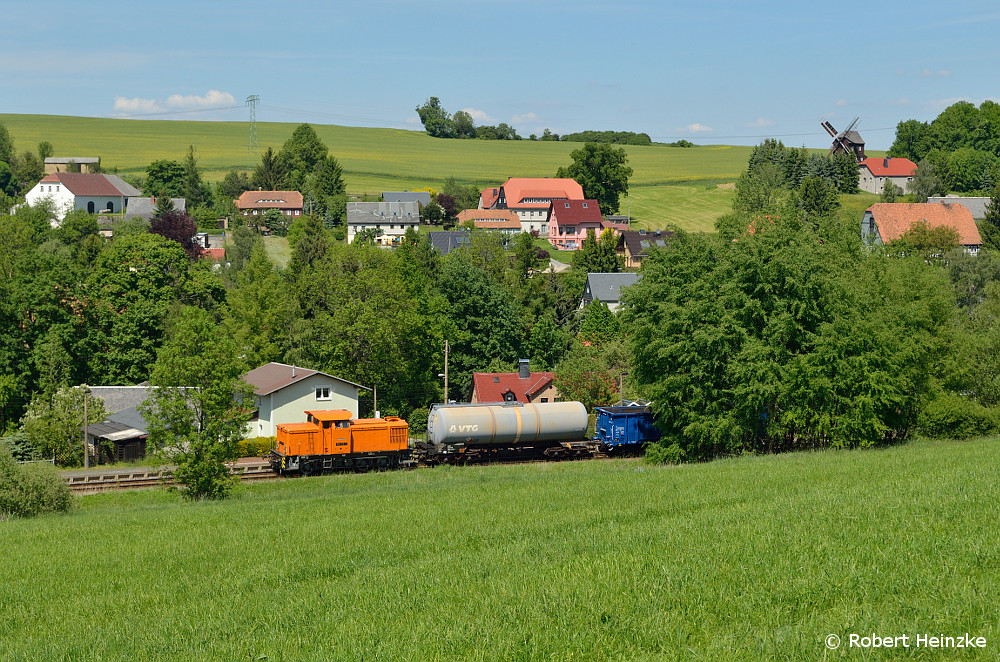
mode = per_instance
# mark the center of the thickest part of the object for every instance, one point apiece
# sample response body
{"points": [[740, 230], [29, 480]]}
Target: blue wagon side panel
{"points": [[625, 426]]}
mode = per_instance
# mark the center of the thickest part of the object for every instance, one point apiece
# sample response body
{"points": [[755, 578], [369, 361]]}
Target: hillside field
{"points": [[390, 159], [755, 558]]}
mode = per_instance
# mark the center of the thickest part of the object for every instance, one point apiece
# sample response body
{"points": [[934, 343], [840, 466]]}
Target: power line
{"points": [[762, 136], [179, 112]]}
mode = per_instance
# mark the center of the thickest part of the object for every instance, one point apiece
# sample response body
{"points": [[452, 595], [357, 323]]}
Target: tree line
{"points": [[962, 145], [439, 123]]}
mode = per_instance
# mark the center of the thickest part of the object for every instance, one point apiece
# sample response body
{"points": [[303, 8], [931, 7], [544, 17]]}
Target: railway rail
{"points": [[94, 481], [91, 482]]}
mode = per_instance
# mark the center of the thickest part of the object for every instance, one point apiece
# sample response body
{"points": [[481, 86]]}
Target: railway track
{"points": [[91, 482]]}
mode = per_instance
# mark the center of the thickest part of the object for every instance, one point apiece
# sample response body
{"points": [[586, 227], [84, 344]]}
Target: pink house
{"points": [[569, 221]]}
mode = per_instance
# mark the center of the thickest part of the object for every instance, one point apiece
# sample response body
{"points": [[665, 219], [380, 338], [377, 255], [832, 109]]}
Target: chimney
{"points": [[293, 371], [523, 372]]}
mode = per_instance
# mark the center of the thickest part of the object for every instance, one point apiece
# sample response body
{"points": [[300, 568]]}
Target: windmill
{"points": [[847, 141]]}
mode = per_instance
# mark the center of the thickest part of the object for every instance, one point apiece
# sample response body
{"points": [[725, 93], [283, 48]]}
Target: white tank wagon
{"points": [[505, 431]]}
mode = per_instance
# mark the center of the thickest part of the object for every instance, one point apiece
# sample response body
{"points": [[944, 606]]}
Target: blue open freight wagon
{"points": [[625, 428]]}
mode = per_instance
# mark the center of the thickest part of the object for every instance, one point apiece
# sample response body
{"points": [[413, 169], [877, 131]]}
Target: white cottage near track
{"points": [[285, 392]]}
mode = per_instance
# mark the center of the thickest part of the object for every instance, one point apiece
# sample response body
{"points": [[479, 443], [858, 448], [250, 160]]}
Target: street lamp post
{"points": [[86, 444]]}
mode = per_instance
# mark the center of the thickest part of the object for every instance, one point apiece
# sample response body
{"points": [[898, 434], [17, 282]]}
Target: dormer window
{"points": [[584, 205]]}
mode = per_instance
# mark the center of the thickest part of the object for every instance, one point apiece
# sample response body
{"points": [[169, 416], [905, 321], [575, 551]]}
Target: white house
{"points": [[76, 190], [390, 219], [285, 392], [874, 172]]}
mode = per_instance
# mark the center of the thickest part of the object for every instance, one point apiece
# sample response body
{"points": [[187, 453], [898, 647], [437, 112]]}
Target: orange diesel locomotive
{"points": [[331, 440]]}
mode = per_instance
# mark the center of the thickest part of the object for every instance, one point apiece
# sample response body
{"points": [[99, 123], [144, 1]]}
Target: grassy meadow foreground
{"points": [[750, 558]]}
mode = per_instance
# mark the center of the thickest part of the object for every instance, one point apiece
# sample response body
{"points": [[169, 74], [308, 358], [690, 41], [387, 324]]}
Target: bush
{"points": [[661, 454], [418, 420], [258, 447], [30, 489], [956, 417]]}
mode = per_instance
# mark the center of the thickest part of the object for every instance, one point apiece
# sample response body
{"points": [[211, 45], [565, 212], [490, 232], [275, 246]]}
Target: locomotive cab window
{"points": [[343, 424], [326, 425]]}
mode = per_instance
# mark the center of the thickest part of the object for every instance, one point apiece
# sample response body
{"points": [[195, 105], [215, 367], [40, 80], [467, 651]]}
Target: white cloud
{"points": [[944, 73], [136, 105], [841, 103], [527, 117], [480, 116], [759, 123], [175, 102], [697, 128], [900, 102], [213, 99], [927, 73]]}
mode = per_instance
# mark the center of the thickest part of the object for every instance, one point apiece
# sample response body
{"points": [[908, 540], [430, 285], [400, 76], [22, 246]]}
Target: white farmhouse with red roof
{"points": [[873, 173], [886, 222], [92, 193], [529, 198]]}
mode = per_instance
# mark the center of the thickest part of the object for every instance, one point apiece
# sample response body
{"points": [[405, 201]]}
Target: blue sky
{"points": [[711, 72]]}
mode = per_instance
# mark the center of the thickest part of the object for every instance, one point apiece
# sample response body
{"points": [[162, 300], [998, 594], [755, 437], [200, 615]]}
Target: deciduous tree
{"points": [[165, 178], [179, 227], [200, 407], [602, 171]]}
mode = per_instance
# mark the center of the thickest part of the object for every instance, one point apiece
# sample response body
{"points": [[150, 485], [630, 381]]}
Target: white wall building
{"points": [[389, 219]]}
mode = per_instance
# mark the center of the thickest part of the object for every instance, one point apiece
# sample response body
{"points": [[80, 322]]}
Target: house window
{"points": [[584, 205], [90, 207], [323, 393], [545, 399]]}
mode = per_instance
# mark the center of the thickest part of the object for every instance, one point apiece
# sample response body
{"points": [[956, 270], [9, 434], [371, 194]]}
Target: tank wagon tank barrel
{"points": [[506, 424]]}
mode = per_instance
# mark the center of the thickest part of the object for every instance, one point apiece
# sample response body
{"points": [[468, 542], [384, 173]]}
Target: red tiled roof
{"points": [[517, 189], [884, 167], [486, 215], [491, 219], [497, 225], [270, 200], [214, 254], [488, 389], [617, 227], [895, 218], [489, 196], [575, 212], [85, 184]]}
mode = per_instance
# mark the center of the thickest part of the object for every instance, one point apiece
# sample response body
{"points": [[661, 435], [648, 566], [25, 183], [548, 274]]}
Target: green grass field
{"points": [[756, 558], [375, 160]]}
